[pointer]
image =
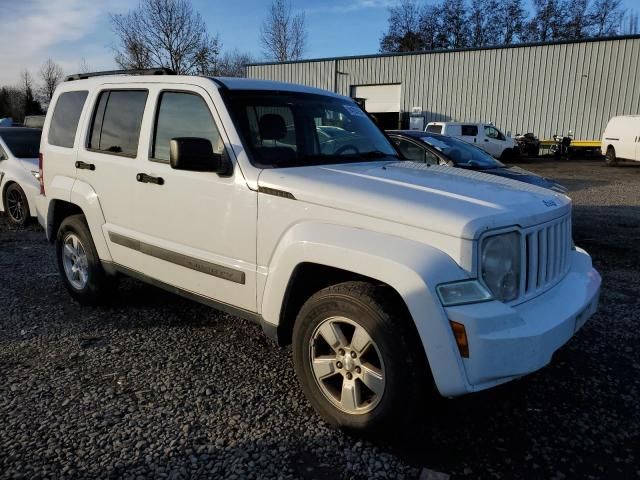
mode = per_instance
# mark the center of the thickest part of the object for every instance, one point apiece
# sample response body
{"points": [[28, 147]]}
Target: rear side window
{"points": [[469, 130], [183, 114], [434, 128], [117, 120], [66, 116]]}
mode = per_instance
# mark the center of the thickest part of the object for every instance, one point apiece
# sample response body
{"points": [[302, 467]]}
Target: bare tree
{"points": [[513, 19], [165, 33], [83, 66], [51, 74], [283, 35], [547, 22], [606, 17], [456, 24], [576, 19], [485, 17], [232, 64], [404, 28], [30, 105]]}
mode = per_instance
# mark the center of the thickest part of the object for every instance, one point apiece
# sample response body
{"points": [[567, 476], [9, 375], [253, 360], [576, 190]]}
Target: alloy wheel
{"points": [[347, 365], [75, 262]]}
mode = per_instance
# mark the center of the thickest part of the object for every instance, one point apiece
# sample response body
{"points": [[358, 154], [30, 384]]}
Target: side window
{"points": [[62, 131], [434, 128], [410, 150], [183, 114], [492, 132], [469, 130], [117, 120]]}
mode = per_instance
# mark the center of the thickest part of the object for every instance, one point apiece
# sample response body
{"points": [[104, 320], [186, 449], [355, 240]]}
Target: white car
{"points": [[483, 135], [621, 139], [385, 275], [19, 173]]}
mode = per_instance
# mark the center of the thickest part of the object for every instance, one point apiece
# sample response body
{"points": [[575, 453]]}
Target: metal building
{"points": [[545, 88]]}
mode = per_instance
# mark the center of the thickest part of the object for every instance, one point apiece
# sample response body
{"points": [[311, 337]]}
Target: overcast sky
{"points": [[68, 30]]}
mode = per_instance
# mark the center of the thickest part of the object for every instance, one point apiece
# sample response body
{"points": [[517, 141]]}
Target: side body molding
{"points": [[411, 268]]}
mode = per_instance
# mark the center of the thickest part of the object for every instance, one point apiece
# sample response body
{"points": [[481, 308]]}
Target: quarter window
{"points": [[434, 128], [117, 120], [183, 114], [64, 124]]}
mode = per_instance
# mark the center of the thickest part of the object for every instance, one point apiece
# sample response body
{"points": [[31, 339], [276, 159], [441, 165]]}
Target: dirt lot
{"points": [[156, 386]]}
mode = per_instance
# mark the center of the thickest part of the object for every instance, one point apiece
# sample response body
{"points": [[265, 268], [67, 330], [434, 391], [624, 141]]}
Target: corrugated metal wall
{"points": [[545, 89]]}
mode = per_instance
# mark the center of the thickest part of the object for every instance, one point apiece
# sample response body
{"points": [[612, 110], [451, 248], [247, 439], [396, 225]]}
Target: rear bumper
{"points": [[506, 342]]}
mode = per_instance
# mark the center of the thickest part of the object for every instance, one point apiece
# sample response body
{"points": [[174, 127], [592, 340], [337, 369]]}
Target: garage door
{"points": [[378, 98]]}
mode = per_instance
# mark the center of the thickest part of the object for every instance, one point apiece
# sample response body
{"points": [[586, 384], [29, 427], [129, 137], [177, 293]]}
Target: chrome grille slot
{"points": [[545, 256]]}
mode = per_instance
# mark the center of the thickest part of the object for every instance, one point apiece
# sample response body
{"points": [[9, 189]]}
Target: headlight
{"points": [[500, 265], [463, 292]]}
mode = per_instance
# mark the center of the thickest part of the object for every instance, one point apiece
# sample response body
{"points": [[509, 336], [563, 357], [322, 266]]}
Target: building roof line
{"points": [[452, 50]]}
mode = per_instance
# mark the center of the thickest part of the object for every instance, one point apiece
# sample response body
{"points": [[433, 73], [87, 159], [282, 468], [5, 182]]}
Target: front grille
{"points": [[546, 251]]}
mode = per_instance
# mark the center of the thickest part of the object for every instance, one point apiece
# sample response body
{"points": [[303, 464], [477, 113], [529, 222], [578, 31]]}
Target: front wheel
{"points": [[79, 265], [357, 358], [16, 205]]}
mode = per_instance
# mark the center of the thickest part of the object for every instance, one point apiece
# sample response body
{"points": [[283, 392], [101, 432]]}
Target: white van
{"points": [[483, 135], [621, 139]]}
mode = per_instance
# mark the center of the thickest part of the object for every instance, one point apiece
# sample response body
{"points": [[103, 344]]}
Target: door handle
{"points": [[144, 178], [486, 139], [85, 166]]}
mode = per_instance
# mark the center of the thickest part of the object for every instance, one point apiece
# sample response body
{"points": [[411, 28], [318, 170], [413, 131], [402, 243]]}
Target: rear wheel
{"points": [[358, 361], [610, 158], [16, 205], [79, 265]]}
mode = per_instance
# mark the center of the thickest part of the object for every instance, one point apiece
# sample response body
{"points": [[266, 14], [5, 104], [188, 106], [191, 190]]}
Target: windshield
{"points": [[461, 153], [285, 129], [22, 143]]}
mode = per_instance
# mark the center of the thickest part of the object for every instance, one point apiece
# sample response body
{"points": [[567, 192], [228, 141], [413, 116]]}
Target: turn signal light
{"points": [[461, 338]]}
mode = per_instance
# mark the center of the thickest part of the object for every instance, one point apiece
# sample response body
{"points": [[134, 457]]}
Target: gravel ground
{"points": [[157, 386]]}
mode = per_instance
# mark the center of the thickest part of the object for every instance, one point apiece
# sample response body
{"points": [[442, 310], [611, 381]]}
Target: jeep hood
{"points": [[457, 202]]}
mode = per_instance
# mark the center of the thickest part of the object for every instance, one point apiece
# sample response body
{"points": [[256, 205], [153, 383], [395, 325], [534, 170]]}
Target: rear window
{"points": [[434, 128], [469, 130], [66, 116], [23, 143], [116, 122]]}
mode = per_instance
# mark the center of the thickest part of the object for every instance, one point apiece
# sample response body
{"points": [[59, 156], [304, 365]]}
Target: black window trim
{"points": [[93, 119], [75, 135], [156, 114]]}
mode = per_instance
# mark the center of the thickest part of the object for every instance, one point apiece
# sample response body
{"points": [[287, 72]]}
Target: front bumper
{"points": [[506, 342]]}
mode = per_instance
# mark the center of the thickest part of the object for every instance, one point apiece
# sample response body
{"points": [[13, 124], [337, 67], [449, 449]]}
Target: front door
{"points": [[194, 230], [493, 142]]}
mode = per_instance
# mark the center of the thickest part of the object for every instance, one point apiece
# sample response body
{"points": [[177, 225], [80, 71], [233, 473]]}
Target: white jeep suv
{"points": [[384, 274]]}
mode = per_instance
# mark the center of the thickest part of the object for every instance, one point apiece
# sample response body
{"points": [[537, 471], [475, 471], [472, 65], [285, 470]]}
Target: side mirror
{"points": [[196, 155], [509, 134]]}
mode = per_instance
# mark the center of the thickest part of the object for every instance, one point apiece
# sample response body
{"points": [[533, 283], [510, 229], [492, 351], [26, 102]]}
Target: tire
{"points": [[507, 155], [610, 158], [16, 205], [79, 265], [393, 366]]}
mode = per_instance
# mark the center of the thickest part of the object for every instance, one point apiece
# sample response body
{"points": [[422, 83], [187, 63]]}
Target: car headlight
{"points": [[462, 293], [500, 265]]}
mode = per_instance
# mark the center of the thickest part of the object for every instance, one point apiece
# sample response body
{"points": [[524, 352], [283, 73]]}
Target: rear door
{"points": [[469, 133], [107, 161]]}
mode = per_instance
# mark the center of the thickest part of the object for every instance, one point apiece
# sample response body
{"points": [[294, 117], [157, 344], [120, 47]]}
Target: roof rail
{"points": [[142, 71]]}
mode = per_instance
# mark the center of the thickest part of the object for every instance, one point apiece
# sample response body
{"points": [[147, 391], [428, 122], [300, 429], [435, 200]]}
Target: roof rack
{"points": [[142, 71]]}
